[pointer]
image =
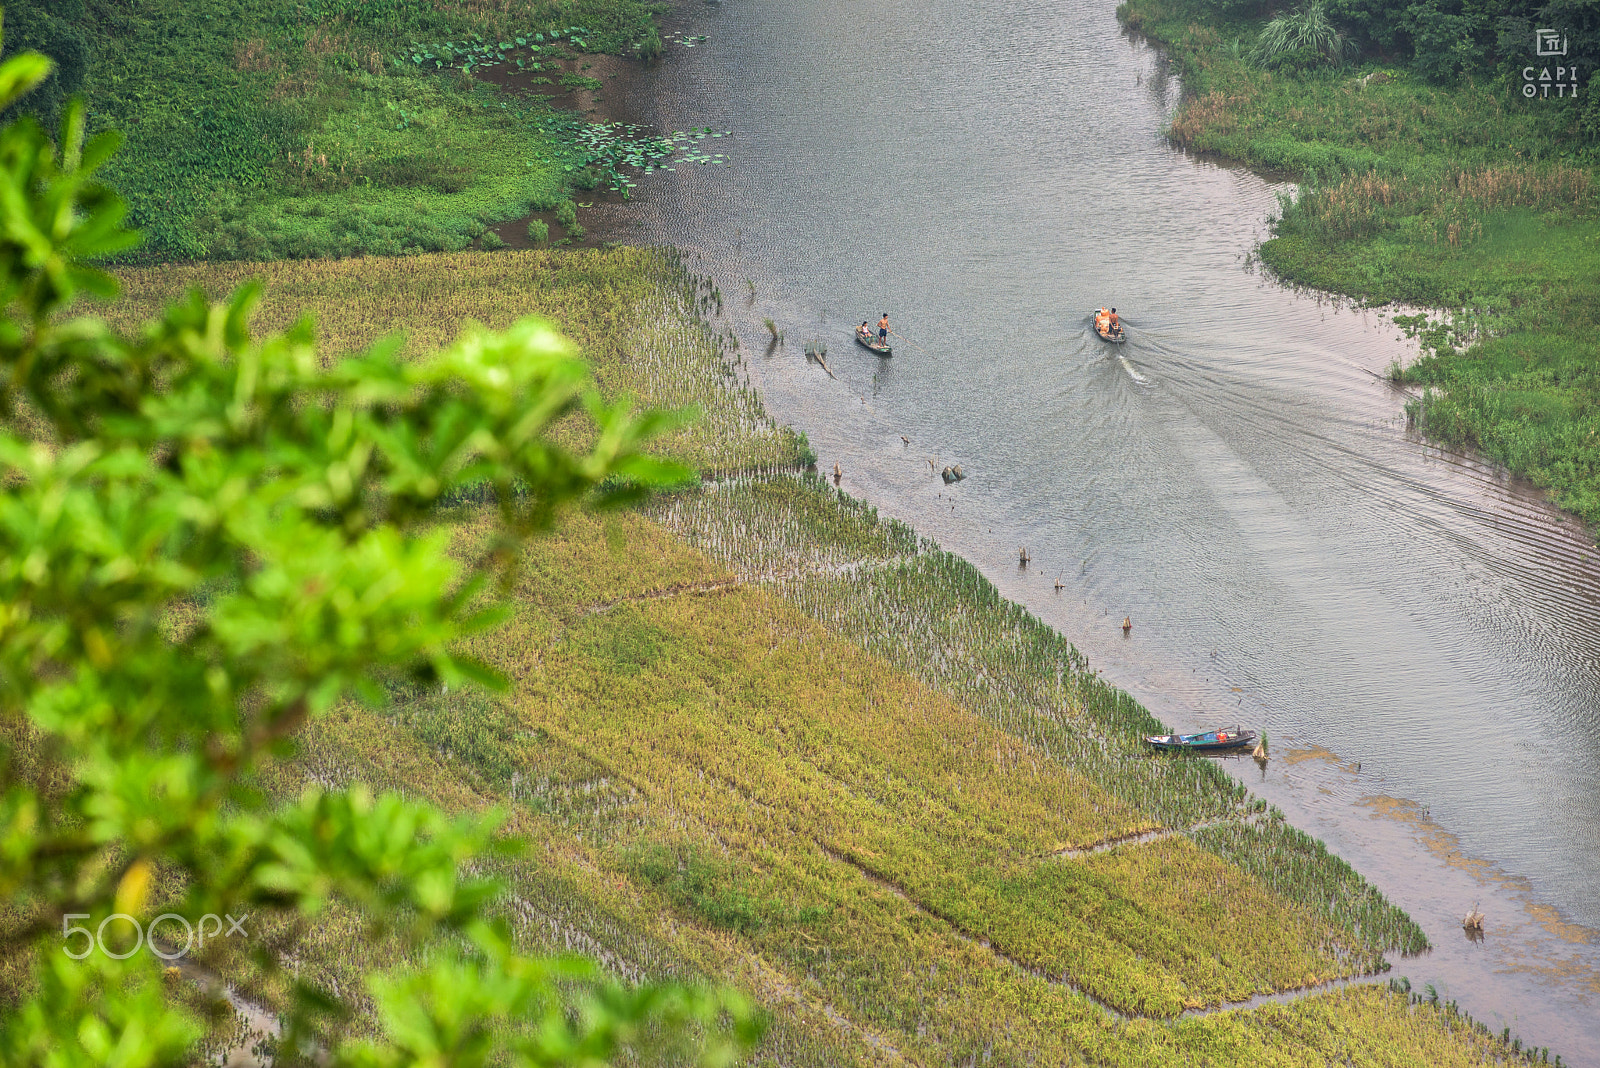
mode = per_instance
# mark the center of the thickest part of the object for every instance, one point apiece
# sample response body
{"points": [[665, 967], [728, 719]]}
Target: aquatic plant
{"points": [[611, 149]]}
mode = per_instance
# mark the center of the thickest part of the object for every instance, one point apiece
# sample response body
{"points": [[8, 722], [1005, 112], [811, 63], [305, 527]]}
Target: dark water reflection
{"points": [[1236, 478]]}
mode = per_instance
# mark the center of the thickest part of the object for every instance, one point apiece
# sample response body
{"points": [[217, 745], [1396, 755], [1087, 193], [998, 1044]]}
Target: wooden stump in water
{"points": [[1022, 557], [1473, 921]]}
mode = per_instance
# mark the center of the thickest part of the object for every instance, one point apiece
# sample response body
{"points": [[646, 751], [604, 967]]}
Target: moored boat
{"points": [[1226, 738]]}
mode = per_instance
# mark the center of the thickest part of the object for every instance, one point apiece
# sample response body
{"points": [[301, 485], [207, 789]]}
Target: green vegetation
{"points": [[261, 129], [209, 540], [1430, 181]]}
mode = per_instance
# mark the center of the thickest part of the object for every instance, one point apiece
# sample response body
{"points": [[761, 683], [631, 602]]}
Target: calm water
{"points": [[1417, 634]]}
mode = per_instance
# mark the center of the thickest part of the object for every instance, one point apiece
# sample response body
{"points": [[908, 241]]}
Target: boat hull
{"points": [[1209, 742], [873, 347]]}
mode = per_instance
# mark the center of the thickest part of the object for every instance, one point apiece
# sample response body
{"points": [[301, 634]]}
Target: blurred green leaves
{"points": [[206, 539]]}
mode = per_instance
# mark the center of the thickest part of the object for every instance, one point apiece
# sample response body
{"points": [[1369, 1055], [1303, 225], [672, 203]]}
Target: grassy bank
{"points": [[762, 735], [1459, 194], [263, 129]]}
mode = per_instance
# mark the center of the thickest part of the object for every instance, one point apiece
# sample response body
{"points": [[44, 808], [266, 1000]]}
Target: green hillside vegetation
{"points": [[267, 129], [757, 733], [1428, 179]]}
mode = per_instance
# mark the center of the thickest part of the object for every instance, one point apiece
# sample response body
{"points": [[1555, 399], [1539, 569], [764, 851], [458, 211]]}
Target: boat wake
{"points": [[1128, 367]]}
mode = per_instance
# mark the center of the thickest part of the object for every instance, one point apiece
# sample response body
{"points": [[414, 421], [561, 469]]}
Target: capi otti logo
{"points": [[1549, 43], [1550, 81], [1558, 81]]}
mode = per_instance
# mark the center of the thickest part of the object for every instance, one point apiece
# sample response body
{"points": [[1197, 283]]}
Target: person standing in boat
{"points": [[883, 329], [1116, 322]]}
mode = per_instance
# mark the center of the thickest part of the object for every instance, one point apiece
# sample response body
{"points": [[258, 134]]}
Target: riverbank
{"points": [[1463, 196], [766, 736]]}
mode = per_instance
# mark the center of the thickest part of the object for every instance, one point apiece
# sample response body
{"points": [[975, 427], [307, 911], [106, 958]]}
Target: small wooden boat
{"points": [[1115, 334], [882, 348], [1228, 738]]}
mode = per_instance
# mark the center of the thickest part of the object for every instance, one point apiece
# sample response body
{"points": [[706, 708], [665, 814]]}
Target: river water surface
{"points": [[1416, 633]]}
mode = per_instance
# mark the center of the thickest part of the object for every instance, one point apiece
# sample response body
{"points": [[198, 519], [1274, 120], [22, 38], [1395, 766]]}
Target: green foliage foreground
{"points": [[206, 541]]}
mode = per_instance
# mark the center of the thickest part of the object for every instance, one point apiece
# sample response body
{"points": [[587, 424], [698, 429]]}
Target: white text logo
{"points": [[210, 926]]}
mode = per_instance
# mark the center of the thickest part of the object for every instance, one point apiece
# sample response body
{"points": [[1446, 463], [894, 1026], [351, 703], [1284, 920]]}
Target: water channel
{"points": [[1417, 633]]}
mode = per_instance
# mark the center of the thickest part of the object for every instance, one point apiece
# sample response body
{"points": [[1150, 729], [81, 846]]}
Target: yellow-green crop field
{"points": [[635, 312], [757, 734]]}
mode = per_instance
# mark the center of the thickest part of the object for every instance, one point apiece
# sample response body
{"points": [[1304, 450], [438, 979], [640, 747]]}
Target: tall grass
{"points": [[1304, 28], [1450, 207]]}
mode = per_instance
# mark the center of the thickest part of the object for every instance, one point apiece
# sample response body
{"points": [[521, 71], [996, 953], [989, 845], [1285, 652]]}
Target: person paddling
{"points": [[883, 329], [1116, 322]]}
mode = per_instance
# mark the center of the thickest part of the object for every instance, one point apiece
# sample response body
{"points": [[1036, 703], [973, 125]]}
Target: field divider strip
{"points": [[1285, 997], [666, 592], [886, 884], [1134, 838], [728, 582], [779, 981], [1277, 997]]}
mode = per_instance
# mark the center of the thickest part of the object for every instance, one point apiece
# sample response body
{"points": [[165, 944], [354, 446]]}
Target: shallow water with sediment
{"points": [[1416, 633]]}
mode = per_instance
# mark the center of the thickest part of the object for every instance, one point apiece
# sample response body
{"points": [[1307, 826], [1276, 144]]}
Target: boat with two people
{"points": [[878, 344], [1205, 742], [1109, 326]]}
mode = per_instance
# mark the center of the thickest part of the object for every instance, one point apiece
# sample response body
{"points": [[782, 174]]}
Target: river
{"points": [[1416, 632]]}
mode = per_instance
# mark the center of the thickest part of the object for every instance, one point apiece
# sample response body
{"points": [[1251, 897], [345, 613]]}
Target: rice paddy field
{"points": [[638, 316], [757, 734]]}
